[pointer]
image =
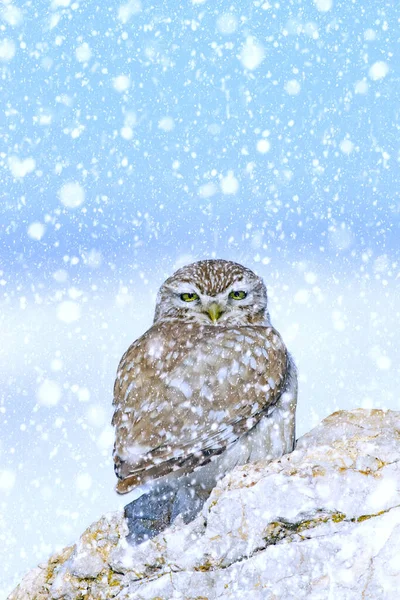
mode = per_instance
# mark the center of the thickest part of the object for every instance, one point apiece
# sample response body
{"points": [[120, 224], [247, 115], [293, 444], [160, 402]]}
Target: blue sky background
{"points": [[136, 138]]}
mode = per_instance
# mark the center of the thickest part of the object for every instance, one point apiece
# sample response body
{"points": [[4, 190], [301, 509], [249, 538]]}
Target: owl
{"points": [[209, 386]]}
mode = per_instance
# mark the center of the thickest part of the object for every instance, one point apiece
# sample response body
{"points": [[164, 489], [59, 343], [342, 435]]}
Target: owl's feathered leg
{"points": [[188, 502], [150, 514]]}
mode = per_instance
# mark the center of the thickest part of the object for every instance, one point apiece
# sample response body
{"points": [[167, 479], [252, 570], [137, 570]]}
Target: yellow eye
{"points": [[239, 295], [189, 297]]}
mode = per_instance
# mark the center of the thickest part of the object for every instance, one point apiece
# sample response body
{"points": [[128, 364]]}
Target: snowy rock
{"points": [[321, 522]]}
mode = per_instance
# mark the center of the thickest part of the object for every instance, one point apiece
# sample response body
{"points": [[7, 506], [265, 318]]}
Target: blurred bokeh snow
{"points": [[137, 138]]}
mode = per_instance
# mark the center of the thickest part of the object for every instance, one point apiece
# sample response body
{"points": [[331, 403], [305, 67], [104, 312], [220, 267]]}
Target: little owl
{"points": [[209, 386]]}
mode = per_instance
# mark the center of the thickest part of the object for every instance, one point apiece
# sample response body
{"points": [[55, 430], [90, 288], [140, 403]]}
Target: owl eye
{"points": [[190, 297], [237, 295]]}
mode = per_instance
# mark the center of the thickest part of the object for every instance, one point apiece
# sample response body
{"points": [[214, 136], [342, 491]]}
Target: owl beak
{"points": [[214, 311]]}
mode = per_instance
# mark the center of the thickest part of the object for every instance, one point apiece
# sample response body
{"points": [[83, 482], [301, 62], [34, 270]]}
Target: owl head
{"points": [[213, 292]]}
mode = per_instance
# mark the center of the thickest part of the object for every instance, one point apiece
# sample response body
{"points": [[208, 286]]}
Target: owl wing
{"points": [[182, 397]]}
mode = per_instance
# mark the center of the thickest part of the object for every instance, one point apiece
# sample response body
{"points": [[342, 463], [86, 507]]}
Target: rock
{"points": [[322, 522]]}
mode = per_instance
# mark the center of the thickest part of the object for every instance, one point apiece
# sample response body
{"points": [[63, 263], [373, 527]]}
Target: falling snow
{"points": [[121, 83], [11, 14], [137, 139], [128, 10], [229, 184], [21, 167], [252, 54], [292, 87], [346, 146], [36, 231], [227, 23], [7, 480], [83, 53], [166, 124], [71, 194], [7, 50], [323, 5], [68, 311], [263, 146], [48, 393], [378, 70]]}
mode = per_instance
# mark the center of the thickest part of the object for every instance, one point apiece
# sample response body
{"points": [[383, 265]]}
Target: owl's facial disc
{"points": [[230, 305], [213, 292], [202, 306], [213, 310]]}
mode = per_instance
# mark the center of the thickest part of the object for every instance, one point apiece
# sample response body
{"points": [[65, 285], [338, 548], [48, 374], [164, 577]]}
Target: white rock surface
{"points": [[320, 523]]}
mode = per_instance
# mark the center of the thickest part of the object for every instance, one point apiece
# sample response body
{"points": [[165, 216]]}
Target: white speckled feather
{"points": [[187, 390]]}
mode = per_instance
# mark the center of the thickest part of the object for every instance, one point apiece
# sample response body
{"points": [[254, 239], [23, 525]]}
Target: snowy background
{"points": [[136, 138]]}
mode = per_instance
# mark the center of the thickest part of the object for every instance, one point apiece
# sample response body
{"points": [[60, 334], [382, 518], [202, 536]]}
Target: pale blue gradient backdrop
{"points": [[317, 215]]}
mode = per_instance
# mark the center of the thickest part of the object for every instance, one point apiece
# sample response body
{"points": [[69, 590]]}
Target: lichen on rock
{"points": [[321, 522]]}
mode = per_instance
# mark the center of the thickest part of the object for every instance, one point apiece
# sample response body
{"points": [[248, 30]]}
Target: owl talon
{"points": [[188, 503], [139, 532], [151, 513]]}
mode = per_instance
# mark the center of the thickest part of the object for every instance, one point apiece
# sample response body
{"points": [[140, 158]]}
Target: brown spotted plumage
{"points": [[201, 379]]}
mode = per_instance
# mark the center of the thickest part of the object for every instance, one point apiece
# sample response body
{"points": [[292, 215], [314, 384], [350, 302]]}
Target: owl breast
{"points": [[190, 395]]}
